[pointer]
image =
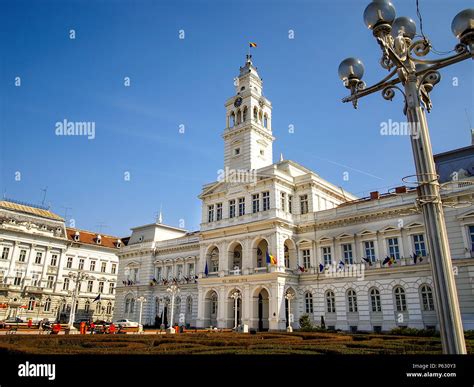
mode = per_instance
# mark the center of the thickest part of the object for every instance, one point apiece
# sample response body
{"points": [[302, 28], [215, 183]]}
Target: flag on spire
{"points": [[252, 44]]}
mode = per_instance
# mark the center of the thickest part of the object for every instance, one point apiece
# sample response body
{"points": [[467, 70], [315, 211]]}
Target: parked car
{"points": [[125, 323], [11, 322]]}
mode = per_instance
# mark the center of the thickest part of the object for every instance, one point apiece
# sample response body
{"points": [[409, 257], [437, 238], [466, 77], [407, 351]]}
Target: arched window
{"points": [[308, 302], [189, 305], [239, 117], [66, 284], [214, 257], [375, 300], [109, 308], [255, 113], [265, 121], [31, 303], [352, 301], [214, 304], [260, 116], [98, 307], [87, 306], [232, 120], [400, 299], [47, 305], [287, 256], [244, 114], [177, 305], [132, 305], [427, 298], [330, 302]]}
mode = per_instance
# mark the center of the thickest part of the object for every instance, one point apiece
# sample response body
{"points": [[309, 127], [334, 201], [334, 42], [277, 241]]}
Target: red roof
{"points": [[90, 238]]}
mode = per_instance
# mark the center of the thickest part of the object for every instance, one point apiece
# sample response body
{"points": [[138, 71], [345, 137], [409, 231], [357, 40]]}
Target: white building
{"points": [[329, 245], [39, 258]]}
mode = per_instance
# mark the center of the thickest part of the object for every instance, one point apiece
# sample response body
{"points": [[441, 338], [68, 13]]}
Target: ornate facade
{"points": [[39, 261], [348, 263]]}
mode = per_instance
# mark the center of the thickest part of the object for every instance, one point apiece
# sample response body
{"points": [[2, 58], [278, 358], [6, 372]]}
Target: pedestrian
{"points": [[92, 328], [82, 327], [56, 328], [112, 329], [30, 323]]}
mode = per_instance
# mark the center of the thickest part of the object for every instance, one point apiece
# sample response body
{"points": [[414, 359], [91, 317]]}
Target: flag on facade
{"points": [[321, 267], [386, 260], [252, 44], [97, 298], [271, 259], [301, 268], [367, 260], [417, 257], [206, 270], [341, 263], [392, 261]]}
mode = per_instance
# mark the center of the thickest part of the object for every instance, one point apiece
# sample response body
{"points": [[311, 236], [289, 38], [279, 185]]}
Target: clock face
{"points": [[238, 101]]}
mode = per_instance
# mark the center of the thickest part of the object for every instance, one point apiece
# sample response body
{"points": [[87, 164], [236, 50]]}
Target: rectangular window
{"points": [[103, 267], [241, 206], [39, 256], [180, 271], [304, 204], [22, 256], [471, 234], [66, 284], [191, 269], [369, 247], [255, 203], [89, 286], [283, 201], [54, 259], [92, 266], [419, 242], [393, 249], [81, 264], [69, 262], [306, 258], [219, 211], [114, 268], [17, 280], [5, 252], [101, 286], [210, 213], [266, 200], [347, 253], [232, 208], [327, 259], [111, 288], [49, 283], [158, 274], [290, 204]]}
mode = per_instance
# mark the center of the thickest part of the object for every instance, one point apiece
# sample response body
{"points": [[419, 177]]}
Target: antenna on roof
{"points": [[101, 225], [45, 190], [66, 210]]}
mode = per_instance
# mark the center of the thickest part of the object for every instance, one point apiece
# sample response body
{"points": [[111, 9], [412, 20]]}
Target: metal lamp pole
{"points": [[141, 300], [236, 296], [78, 278], [400, 56], [173, 290], [289, 296]]}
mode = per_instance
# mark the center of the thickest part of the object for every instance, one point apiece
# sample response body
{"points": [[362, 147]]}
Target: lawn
{"points": [[311, 343]]}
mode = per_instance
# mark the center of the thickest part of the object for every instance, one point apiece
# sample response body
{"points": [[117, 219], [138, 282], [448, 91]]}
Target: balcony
{"points": [[33, 289]]}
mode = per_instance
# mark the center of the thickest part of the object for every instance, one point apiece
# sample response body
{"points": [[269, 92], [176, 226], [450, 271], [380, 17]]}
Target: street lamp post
{"points": [[78, 278], [401, 56], [236, 296], [173, 290], [141, 300], [289, 296]]}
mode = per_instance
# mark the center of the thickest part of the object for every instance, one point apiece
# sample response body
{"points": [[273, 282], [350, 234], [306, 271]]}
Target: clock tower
{"points": [[248, 134]]}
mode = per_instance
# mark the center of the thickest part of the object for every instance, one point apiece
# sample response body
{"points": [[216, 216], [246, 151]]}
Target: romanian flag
{"points": [[252, 44], [271, 259]]}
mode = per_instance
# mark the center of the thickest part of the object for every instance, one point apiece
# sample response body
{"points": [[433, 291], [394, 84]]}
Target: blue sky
{"points": [[186, 81]]}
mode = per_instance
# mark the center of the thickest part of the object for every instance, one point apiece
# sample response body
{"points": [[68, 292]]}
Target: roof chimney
{"points": [[400, 190], [374, 195]]}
